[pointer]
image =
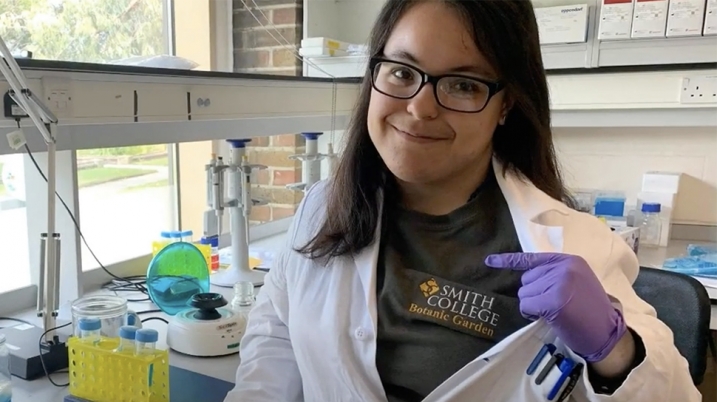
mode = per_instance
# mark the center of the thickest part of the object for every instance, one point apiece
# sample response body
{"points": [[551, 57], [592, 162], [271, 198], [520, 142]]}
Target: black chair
{"points": [[682, 303]]}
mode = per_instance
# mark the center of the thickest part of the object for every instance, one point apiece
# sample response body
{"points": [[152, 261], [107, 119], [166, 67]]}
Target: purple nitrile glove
{"points": [[564, 290]]}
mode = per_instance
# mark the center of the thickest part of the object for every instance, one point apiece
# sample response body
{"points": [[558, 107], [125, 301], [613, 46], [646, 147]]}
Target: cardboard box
{"points": [[615, 19], [685, 18], [562, 24], [649, 19]]}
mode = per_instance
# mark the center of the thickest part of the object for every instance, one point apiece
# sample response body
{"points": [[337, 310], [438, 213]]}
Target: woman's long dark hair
{"points": [[506, 33]]}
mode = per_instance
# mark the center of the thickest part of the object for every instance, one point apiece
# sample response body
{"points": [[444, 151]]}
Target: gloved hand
{"points": [[564, 290]]}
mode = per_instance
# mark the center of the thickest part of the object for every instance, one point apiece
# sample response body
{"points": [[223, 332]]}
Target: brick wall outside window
{"points": [[256, 51]]}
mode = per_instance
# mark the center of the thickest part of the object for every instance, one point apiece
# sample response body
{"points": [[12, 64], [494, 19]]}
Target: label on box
{"points": [[650, 19], [711, 18], [615, 19], [685, 17], [564, 24]]}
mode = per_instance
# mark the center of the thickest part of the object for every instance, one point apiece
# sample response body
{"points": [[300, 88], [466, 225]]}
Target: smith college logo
{"points": [[430, 287], [458, 308]]}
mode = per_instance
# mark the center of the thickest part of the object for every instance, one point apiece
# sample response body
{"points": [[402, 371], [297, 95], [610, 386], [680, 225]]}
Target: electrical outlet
{"points": [[699, 89], [58, 96]]}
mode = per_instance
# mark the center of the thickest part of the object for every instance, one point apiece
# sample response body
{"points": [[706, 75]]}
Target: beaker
{"points": [[111, 310]]}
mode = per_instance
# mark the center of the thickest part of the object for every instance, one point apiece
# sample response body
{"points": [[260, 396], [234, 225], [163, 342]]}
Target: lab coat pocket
{"points": [[553, 374], [498, 375]]}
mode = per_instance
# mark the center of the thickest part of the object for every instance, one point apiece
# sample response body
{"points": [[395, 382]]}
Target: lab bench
{"points": [[654, 257], [187, 371], [222, 370]]}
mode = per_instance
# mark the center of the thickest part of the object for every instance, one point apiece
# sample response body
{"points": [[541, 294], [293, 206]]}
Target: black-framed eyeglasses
{"points": [[455, 92]]}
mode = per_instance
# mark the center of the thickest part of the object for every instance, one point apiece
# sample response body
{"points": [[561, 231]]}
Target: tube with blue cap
{"points": [[145, 341], [127, 335], [90, 330]]}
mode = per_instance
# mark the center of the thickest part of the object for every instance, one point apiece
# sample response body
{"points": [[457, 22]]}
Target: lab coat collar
{"points": [[533, 212], [529, 207]]}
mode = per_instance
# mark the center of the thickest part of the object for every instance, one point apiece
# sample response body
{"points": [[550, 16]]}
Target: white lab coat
{"points": [[312, 333]]}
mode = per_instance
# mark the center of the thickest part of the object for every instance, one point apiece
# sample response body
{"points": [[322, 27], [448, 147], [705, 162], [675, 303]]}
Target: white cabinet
{"points": [[351, 21]]}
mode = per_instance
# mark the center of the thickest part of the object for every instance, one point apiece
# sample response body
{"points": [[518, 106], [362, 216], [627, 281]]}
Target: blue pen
{"points": [[547, 348], [566, 367]]}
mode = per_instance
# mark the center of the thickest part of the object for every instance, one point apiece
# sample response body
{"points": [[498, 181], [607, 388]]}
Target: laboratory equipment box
{"points": [[630, 235]]}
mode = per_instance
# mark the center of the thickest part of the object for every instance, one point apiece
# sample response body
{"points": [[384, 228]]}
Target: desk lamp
{"points": [[26, 360]]}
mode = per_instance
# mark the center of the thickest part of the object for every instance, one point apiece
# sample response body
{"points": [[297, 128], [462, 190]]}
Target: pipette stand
{"points": [[333, 159], [48, 294], [239, 205], [310, 163]]}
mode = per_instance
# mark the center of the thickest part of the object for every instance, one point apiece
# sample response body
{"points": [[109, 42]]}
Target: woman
{"points": [[442, 257]]}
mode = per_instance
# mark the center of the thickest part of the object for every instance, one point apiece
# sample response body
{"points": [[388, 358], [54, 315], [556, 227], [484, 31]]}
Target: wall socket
{"points": [[58, 96], [699, 89]]}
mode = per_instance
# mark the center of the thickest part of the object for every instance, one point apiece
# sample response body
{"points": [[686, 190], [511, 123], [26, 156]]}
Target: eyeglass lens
{"points": [[456, 93]]}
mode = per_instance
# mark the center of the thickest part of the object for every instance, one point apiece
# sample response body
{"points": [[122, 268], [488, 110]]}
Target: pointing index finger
{"points": [[519, 261]]}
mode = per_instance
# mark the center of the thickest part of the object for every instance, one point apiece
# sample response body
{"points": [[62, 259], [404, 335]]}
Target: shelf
{"points": [[117, 108], [641, 52], [616, 118], [567, 56]]}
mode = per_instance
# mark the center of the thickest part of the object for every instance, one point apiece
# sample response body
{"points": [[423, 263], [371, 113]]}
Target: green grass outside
{"points": [[154, 184], [163, 161], [95, 176]]}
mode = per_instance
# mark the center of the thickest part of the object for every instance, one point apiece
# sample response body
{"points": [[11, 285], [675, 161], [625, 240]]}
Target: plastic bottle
{"points": [[650, 226], [242, 303], [214, 242], [186, 236], [90, 330], [5, 383], [145, 341], [127, 334]]}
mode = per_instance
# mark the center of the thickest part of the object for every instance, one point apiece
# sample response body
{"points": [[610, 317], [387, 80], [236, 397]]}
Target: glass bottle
{"points": [[650, 226], [242, 303], [5, 383]]}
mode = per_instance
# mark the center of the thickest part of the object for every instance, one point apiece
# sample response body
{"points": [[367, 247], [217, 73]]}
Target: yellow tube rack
{"points": [[99, 374]]}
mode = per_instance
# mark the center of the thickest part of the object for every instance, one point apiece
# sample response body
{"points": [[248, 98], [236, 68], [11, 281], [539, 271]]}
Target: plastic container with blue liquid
{"points": [[609, 204]]}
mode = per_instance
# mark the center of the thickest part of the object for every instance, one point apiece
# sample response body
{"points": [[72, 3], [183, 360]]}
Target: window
{"points": [[127, 196], [92, 31], [15, 268]]}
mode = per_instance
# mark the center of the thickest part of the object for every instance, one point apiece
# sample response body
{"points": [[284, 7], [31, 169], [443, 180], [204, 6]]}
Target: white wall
{"points": [[615, 159]]}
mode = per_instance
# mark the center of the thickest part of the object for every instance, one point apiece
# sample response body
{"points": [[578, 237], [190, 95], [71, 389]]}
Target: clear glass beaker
{"points": [[111, 310]]}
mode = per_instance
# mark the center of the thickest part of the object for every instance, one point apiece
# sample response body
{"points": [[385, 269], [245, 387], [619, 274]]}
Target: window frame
{"points": [[74, 285]]}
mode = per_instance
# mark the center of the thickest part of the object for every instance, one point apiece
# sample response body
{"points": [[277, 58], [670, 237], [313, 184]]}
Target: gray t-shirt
{"points": [[439, 306]]}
